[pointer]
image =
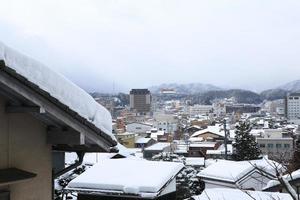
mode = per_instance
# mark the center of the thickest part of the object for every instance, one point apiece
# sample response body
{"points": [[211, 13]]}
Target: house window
{"points": [[270, 146], [278, 145], [262, 145], [286, 146]]}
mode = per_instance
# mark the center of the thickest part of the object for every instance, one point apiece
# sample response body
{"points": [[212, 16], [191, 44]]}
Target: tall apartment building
{"points": [[140, 101], [292, 105]]}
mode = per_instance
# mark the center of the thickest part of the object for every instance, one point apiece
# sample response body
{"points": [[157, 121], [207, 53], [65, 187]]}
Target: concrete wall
{"points": [[23, 145]]}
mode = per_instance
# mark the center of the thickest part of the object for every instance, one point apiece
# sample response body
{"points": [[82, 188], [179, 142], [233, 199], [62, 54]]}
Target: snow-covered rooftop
{"points": [[158, 146], [127, 176], [232, 171], [142, 140], [194, 161], [60, 88], [235, 194], [203, 145], [217, 130]]}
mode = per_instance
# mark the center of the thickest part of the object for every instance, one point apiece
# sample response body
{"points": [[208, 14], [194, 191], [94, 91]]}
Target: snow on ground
{"points": [[235, 194], [58, 87], [129, 176]]}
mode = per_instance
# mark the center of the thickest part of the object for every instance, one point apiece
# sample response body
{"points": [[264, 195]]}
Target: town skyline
{"points": [[122, 45]]}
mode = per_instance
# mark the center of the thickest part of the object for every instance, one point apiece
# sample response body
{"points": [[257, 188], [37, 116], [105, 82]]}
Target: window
{"points": [[278, 145], [270, 145], [286, 146], [262, 145]]}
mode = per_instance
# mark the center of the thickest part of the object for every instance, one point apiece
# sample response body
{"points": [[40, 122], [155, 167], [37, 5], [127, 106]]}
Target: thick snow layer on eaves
{"points": [[235, 194], [128, 176], [58, 87]]}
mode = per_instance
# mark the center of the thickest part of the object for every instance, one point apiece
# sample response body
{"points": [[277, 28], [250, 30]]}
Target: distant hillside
{"points": [[273, 94], [242, 96], [192, 88], [293, 86]]}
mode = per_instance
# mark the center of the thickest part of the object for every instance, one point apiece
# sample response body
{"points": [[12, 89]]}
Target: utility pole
{"points": [[225, 139]]}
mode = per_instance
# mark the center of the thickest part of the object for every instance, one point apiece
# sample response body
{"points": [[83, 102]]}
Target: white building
{"points": [[139, 128], [293, 106], [200, 110], [165, 122]]}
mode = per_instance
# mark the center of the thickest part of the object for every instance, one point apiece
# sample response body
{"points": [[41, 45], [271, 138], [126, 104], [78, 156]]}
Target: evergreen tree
{"points": [[245, 145], [187, 182]]}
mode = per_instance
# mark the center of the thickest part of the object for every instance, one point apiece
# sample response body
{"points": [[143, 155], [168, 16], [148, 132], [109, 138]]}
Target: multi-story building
{"points": [[200, 110], [292, 104], [242, 108], [276, 143], [140, 101]]}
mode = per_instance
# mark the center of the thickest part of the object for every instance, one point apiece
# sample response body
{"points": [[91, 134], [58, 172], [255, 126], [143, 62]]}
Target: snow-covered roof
{"points": [[293, 176], [128, 176], [232, 171], [214, 130], [158, 146], [194, 161], [203, 145], [93, 158], [58, 87], [155, 135], [236, 194], [220, 150], [142, 140]]}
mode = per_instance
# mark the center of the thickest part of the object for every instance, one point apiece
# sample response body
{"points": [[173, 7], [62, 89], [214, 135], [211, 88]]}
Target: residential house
{"points": [[248, 175], [43, 115], [157, 148], [144, 142], [200, 149], [127, 179]]}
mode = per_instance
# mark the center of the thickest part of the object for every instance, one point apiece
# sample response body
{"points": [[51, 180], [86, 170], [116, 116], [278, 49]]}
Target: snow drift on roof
{"points": [[128, 176], [234, 170], [235, 194], [65, 91]]}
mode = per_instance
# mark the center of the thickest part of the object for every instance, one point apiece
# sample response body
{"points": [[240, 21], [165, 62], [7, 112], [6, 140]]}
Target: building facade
{"points": [[292, 104], [140, 101]]}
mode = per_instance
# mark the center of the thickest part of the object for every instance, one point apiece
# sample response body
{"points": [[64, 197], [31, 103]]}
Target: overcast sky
{"points": [[251, 44]]}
